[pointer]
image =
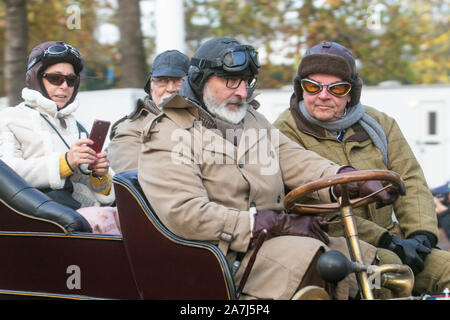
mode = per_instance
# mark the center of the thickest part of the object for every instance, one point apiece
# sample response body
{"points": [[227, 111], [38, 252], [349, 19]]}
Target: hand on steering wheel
{"points": [[391, 180], [365, 188]]}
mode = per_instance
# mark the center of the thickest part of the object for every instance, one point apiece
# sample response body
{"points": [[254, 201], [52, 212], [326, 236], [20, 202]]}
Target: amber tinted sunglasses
{"points": [[57, 79], [338, 89]]}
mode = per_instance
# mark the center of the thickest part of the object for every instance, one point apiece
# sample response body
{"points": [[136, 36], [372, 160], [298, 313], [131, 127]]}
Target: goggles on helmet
{"points": [[234, 60], [58, 50]]}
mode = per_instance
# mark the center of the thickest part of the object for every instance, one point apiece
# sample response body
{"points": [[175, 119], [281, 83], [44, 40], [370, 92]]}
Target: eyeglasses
{"points": [[58, 50], [164, 81], [338, 89], [234, 82], [57, 79]]}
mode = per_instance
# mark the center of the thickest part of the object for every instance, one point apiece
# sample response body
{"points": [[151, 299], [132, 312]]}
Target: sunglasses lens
{"points": [[310, 87], [57, 79], [71, 79], [340, 89]]}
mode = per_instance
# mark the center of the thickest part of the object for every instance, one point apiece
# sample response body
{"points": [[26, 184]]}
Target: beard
{"points": [[164, 97], [221, 110]]}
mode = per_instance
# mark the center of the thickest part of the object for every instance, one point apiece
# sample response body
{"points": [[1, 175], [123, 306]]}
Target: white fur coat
{"points": [[32, 147]]}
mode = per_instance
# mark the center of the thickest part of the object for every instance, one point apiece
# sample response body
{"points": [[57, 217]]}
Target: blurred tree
{"points": [[16, 40], [134, 69], [398, 40], [382, 35], [407, 41], [74, 22], [257, 22], [431, 64], [275, 76]]}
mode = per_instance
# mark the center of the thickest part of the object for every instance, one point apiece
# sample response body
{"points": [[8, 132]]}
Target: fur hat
{"points": [[330, 58], [34, 74]]}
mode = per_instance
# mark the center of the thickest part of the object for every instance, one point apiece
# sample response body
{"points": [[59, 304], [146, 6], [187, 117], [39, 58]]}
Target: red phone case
{"points": [[98, 134]]}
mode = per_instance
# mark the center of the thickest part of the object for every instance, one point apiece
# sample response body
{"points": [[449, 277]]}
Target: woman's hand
{"points": [[81, 153], [101, 166]]}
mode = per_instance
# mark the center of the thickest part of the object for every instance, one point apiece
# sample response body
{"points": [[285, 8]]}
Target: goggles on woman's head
{"points": [[57, 50], [337, 89]]}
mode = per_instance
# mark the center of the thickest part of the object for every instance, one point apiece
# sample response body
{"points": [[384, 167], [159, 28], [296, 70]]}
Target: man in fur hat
{"points": [[326, 116]]}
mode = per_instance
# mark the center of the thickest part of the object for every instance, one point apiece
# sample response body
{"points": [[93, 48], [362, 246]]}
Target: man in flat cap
{"points": [[168, 73]]}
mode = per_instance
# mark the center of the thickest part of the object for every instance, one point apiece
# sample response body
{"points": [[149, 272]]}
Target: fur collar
{"points": [[37, 100]]}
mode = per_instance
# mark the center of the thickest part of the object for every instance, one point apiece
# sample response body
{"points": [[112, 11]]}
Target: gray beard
{"points": [[220, 110]]}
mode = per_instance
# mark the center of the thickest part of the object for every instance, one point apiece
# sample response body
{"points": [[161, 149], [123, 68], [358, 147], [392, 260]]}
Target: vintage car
{"points": [[49, 251]]}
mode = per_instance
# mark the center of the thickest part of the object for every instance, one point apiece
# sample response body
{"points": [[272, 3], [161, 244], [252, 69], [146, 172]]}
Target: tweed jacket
{"points": [[125, 137], [410, 213]]}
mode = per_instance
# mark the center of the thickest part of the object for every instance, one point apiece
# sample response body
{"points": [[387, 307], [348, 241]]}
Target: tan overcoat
{"points": [[125, 137], [201, 187]]}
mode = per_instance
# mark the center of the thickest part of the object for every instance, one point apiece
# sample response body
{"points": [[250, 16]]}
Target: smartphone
{"points": [[98, 134]]}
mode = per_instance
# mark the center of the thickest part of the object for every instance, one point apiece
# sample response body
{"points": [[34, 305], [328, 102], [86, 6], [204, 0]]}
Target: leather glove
{"points": [[364, 188], [411, 251], [425, 238], [283, 224]]}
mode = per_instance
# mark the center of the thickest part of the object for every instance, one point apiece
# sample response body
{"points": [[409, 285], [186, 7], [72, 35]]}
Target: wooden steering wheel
{"points": [[292, 199]]}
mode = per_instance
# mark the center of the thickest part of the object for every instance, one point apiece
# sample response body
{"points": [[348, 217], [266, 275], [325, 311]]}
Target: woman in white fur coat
{"points": [[42, 141]]}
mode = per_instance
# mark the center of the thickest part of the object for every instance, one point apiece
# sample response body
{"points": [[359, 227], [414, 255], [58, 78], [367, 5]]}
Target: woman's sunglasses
{"points": [[338, 89], [57, 79]]}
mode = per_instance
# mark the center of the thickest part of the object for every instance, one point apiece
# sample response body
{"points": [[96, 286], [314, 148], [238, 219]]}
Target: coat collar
{"points": [[44, 105], [181, 110], [184, 113], [144, 106], [172, 105]]}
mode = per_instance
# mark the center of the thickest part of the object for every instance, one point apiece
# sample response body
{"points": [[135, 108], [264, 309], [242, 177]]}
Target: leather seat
{"points": [[18, 194], [167, 266]]}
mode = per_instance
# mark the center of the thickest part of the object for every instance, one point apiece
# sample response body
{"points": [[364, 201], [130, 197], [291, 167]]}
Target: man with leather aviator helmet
{"points": [[214, 169]]}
